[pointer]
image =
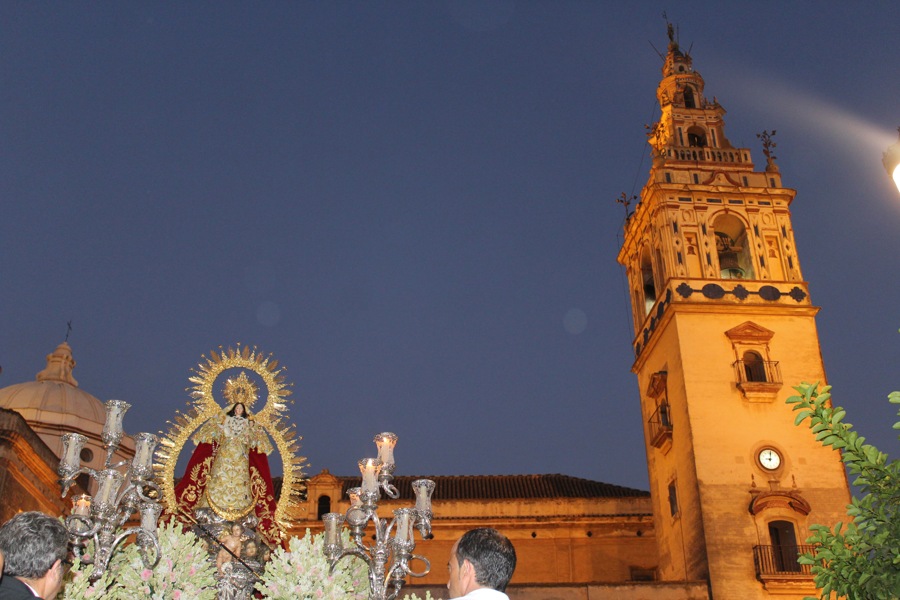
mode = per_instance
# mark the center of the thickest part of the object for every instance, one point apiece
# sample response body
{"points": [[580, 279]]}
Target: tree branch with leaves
{"points": [[859, 560]]}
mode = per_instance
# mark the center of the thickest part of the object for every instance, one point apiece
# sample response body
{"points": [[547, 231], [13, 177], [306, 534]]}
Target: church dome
{"points": [[53, 404]]}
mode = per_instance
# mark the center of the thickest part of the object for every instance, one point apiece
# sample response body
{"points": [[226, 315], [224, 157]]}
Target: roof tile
{"points": [[495, 487]]}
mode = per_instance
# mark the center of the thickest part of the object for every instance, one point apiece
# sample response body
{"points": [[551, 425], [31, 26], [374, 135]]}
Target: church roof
{"points": [[482, 487], [53, 404], [54, 398]]}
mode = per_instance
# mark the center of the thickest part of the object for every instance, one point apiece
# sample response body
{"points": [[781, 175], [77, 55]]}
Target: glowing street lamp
{"points": [[892, 162]]}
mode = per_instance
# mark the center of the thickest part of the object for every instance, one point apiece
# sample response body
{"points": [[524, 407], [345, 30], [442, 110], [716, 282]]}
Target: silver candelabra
{"points": [[101, 518], [389, 556]]}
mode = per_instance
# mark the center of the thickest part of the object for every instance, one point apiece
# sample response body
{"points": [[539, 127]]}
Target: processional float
{"points": [[226, 492]]}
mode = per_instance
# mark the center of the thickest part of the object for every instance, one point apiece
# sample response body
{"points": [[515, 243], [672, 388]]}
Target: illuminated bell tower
{"points": [[724, 328]]}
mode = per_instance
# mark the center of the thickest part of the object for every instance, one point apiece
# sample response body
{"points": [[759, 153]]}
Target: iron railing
{"points": [[660, 424], [781, 560], [757, 371]]}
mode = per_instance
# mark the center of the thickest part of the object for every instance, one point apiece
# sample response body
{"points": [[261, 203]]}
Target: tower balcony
{"points": [[733, 156], [758, 380], [697, 293], [781, 560], [779, 570], [762, 371], [660, 428]]}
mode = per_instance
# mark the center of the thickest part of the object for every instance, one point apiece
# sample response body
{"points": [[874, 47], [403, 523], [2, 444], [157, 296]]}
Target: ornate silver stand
{"points": [[100, 518], [389, 556]]}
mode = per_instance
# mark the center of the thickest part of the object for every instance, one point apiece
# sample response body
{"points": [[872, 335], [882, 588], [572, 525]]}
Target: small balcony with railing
{"points": [[779, 569], [758, 380], [660, 427]]}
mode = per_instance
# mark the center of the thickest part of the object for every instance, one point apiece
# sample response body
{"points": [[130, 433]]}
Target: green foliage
{"points": [[859, 560]]}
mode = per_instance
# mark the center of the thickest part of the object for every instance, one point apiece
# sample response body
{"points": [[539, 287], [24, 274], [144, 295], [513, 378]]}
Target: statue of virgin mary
{"points": [[229, 470]]}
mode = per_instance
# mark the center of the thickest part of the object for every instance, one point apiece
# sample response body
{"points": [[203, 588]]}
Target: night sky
{"points": [[411, 205]]}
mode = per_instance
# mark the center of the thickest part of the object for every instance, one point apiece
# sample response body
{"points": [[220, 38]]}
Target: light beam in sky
{"points": [[836, 126]]}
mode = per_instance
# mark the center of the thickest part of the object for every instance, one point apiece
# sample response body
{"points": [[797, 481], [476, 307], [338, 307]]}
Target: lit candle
{"points": [[110, 480], [423, 489], [370, 469], [150, 516], [81, 505], [403, 524], [115, 412], [333, 523], [72, 445], [386, 442], [145, 444]]}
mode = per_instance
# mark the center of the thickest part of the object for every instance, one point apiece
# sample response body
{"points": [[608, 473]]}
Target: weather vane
{"points": [[768, 143], [670, 29], [625, 201], [68, 329]]}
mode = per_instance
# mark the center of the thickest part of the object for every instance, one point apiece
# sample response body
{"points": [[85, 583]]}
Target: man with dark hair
{"points": [[34, 546], [481, 563]]}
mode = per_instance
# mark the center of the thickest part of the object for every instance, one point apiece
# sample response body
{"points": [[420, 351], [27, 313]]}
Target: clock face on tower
{"points": [[769, 458]]}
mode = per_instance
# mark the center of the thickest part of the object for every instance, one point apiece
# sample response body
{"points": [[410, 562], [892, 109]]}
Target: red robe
{"points": [[192, 486]]}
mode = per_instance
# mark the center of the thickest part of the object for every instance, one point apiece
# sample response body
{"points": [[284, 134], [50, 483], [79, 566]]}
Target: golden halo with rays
{"points": [[272, 417]]}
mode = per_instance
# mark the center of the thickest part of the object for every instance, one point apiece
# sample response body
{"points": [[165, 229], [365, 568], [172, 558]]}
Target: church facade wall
{"points": [[28, 479], [558, 540]]}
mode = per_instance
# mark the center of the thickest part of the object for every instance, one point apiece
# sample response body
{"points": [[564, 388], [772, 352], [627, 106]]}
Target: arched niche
{"points": [[697, 137], [733, 248], [689, 99], [648, 282]]}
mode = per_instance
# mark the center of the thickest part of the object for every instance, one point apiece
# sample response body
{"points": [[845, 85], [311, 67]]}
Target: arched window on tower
{"points": [[648, 283], [660, 422], [697, 137], [784, 547], [754, 367], [733, 248], [756, 374], [660, 270], [689, 101]]}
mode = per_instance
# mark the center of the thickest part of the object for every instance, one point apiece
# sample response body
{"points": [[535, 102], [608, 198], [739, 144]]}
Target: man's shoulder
{"points": [[13, 589], [485, 594]]}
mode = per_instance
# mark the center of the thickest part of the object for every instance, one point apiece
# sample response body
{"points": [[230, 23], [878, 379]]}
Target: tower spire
{"points": [[721, 312]]}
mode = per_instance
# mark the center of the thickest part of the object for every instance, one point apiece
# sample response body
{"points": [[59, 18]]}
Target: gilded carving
{"points": [[269, 420]]}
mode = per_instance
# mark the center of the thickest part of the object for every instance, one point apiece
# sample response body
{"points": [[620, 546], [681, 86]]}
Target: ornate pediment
{"points": [[721, 178], [792, 499], [749, 332], [657, 384], [325, 478]]}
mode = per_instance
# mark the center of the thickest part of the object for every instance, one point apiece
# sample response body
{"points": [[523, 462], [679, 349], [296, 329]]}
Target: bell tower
{"points": [[724, 328]]}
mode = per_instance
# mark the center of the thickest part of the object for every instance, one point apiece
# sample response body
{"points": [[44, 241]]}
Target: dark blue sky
{"points": [[411, 205]]}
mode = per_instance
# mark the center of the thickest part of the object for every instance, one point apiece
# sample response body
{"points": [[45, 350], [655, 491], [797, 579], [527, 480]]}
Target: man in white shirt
{"points": [[481, 564]]}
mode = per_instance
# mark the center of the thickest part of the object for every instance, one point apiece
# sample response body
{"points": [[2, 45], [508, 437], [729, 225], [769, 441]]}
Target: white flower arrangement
{"points": [[428, 596], [302, 573], [184, 572], [78, 586]]}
